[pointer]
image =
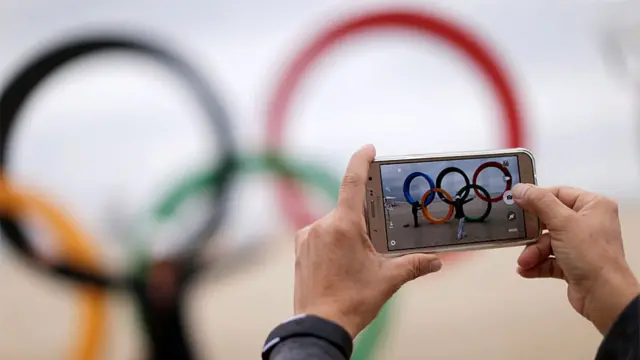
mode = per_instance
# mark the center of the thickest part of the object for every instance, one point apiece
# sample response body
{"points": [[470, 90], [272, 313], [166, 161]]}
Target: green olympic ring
{"points": [[163, 210]]}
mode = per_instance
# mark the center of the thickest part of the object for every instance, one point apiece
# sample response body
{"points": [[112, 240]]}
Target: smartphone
{"points": [[449, 202]]}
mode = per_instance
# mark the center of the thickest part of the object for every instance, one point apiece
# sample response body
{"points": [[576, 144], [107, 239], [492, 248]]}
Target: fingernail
{"points": [[435, 265], [519, 190], [367, 147]]}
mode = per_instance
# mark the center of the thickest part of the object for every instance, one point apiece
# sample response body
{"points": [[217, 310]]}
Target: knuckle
{"points": [[566, 218], [545, 197], [298, 240], [300, 235], [303, 233], [415, 269], [412, 270], [608, 204], [341, 229], [534, 196], [315, 231]]}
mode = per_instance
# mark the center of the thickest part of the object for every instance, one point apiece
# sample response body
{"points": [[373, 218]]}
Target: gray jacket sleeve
{"points": [[307, 348], [623, 340]]}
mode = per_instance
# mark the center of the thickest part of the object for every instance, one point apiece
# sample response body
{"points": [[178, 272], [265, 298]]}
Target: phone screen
{"points": [[451, 202]]}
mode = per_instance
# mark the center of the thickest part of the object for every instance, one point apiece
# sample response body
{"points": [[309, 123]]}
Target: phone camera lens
{"points": [[370, 178]]}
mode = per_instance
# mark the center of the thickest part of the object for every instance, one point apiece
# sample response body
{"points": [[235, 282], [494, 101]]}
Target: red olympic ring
{"points": [[500, 167], [429, 25]]}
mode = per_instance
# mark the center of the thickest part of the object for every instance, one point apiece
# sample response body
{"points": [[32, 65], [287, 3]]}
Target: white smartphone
{"points": [[449, 202]]}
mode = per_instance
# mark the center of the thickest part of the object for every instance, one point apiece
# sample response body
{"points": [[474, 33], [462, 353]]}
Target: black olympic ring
{"points": [[507, 176], [466, 189], [445, 172], [22, 86]]}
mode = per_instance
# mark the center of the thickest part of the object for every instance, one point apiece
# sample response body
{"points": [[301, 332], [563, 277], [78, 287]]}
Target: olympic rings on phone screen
{"points": [[92, 300], [425, 210], [406, 187], [476, 187], [22, 86], [507, 176], [461, 195], [446, 172], [426, 24]]}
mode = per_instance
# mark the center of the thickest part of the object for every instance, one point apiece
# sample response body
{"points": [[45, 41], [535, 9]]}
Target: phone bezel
{"points": [[374, 214]]}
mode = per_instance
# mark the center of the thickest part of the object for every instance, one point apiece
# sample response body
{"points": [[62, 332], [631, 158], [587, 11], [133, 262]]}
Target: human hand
{"points": [[583, 246], [339, 276]]}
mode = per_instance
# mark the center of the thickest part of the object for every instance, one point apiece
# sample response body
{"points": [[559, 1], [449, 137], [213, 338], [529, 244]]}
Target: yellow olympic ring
{"points": [[425, 211], [78, 252]]}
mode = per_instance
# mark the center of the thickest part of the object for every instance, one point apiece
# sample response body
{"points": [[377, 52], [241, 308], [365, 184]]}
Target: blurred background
{"points": [[106, 137]]}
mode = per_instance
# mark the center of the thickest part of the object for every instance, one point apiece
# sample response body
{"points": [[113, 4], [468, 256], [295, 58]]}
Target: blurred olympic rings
{"points": [[21, 86], [17, 93], [75, 247]]}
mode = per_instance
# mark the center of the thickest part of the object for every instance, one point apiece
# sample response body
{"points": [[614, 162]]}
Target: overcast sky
{"points": [[114, 130]]}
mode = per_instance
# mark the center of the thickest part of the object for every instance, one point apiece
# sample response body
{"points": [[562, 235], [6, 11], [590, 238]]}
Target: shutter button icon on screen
{"points": [[508, 197]]}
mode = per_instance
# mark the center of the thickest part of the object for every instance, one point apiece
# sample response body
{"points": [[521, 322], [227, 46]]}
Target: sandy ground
{"points": [[495, 226], [476, 308]]}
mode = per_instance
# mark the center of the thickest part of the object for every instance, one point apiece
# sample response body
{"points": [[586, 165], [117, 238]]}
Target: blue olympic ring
{"points": [[407, 184]]}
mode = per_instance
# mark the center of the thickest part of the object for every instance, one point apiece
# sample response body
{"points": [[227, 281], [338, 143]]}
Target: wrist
{"points": [[611, 294], [348, 323]]}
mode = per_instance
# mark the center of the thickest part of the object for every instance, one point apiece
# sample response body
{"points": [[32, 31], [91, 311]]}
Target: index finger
{"points": [[352, 189]]}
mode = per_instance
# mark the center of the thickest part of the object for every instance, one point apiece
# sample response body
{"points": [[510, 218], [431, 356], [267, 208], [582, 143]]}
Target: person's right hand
{"points": [[583, 246]]}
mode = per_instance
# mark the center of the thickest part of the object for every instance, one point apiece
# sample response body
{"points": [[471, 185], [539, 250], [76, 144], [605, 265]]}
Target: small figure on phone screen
{"points": [[458, 204], [414, 210]]}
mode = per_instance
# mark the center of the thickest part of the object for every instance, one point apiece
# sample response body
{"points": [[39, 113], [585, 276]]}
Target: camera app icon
{"points": [[508, 197]]}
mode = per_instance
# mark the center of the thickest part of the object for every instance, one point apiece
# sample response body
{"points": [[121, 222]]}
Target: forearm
{"points": [[306, 348]]}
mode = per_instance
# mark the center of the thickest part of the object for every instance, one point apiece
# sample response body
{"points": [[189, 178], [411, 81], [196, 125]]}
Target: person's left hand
{"points": [[339, 276]]}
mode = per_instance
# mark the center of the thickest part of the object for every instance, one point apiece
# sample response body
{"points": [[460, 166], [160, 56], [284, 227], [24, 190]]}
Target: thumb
{"points": [[410, 267], [542, 202]]}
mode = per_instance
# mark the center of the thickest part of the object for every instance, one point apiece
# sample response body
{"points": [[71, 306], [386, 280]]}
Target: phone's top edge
{"points": [[449, 154]]}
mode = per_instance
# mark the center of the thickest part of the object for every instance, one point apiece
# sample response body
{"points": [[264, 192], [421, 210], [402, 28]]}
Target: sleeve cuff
{"points": [[623, 339], [309, 326]]}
